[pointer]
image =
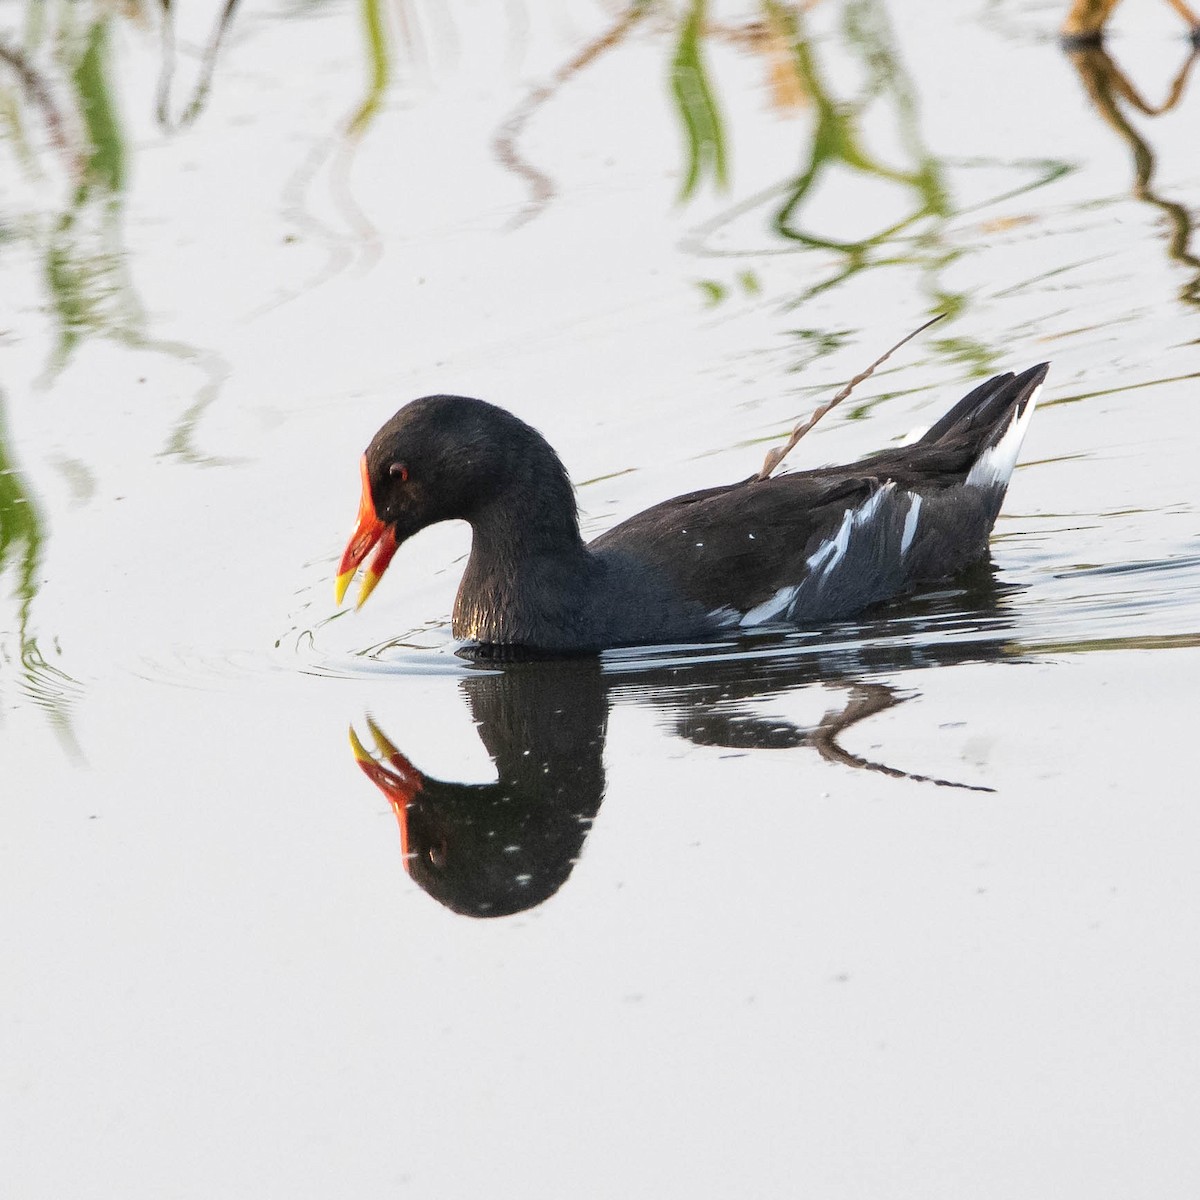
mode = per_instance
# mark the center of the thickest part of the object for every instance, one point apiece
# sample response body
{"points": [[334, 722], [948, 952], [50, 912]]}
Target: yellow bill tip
{"points": [[370, 579], [342, 584]]}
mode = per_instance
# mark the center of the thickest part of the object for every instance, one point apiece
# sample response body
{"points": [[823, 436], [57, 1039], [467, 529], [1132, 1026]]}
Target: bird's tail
{"points": [[990, 423]]}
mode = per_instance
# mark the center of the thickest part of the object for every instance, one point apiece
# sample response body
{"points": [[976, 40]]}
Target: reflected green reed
{"points": [[22, 537], [21, 533], [921, 237], [83, 258], [697, 105], [106, 166], [838, 141], [379, 64]]}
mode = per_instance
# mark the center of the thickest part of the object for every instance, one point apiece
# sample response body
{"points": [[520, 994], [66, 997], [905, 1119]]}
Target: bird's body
{"points": [[799, 548]]}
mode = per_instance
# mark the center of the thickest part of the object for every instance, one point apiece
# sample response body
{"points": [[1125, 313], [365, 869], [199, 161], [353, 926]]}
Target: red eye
{"points": [[399, 469]]}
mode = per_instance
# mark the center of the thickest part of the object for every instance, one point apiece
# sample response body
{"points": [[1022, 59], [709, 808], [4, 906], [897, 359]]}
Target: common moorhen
{"points": [[799, 548]]}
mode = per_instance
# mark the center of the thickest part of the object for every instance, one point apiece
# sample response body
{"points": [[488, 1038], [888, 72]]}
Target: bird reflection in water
{"points": [[494, 849]]}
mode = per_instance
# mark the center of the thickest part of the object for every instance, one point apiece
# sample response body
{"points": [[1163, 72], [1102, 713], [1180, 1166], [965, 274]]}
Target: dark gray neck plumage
{"points": [[528, 576]]}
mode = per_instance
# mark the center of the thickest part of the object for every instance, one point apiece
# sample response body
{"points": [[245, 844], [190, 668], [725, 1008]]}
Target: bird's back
{"points": [[821, 545]]}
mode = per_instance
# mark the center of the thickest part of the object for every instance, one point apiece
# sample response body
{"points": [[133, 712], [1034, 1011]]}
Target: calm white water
{"points": [[789, 959]]}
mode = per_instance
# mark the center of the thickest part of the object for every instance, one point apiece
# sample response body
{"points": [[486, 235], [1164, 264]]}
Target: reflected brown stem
{"points": [[208, 65], [358, 249], [1086, 20], [339, 248], [868, 700], [368, 240], [770, 38], [1185, 12], [504, 141], [38, 91], [1106, 87], [1105, 81]]}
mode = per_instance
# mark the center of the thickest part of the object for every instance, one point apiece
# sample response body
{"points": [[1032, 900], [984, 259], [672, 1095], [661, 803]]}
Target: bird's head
{"points": [[438, 459]]}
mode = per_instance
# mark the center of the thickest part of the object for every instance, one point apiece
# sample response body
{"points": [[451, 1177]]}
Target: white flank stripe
{"points": [[829, 553], [866, 511], [995, 465], [910, 523], [824, 560], [725, 616], [771, 608]]}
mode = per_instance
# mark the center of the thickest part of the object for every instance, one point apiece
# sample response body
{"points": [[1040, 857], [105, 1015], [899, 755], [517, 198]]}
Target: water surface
{"points": [[901, 906]]}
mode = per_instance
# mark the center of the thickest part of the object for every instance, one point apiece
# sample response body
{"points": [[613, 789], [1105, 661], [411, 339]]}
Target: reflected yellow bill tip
{"points": [[381, 740], [360, 751], [370, 579], [343, 582]]}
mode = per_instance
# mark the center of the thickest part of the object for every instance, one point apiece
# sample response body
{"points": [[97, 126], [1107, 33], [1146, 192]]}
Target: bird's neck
{"points": [[528, 569]]}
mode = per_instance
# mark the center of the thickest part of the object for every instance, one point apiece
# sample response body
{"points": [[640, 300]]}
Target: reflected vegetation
{"points": [[59, 89], [1112, 95], [505, 141], [489, 850], [208, 65], [83, 259], [831, 143], [85, 264], [21, 543], [921, 229], [838, 140], [1086, 20]]}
